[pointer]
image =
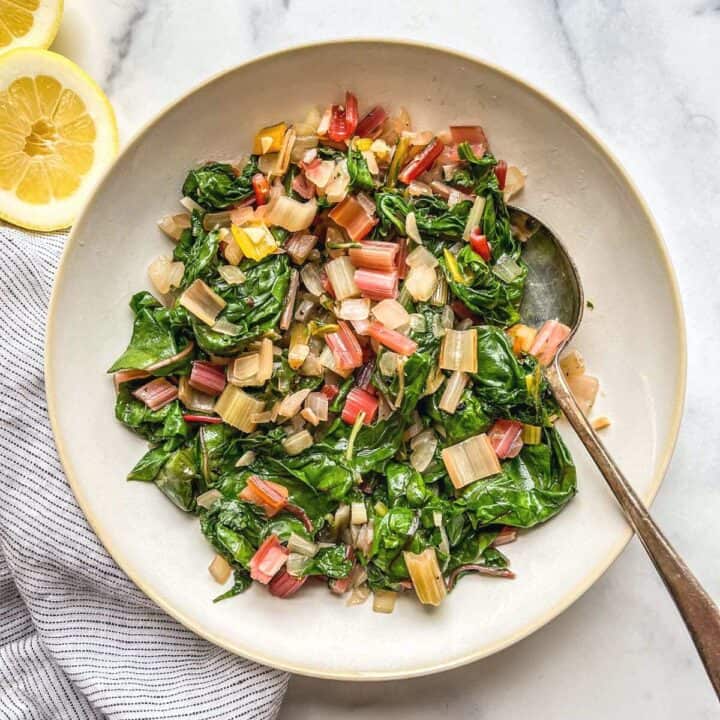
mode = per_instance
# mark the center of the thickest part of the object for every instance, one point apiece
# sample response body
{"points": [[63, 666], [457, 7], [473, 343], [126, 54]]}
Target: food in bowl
{"points": [[334, 376]]}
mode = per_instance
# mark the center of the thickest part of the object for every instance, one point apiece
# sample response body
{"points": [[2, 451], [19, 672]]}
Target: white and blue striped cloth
{"points": [[77, 638]]}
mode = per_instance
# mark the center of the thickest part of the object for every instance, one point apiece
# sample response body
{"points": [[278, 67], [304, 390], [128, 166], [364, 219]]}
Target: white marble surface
{"points": [[643, 74]]}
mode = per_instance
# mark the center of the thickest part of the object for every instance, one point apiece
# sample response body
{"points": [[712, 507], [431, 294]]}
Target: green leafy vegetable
{"points": [[216, 186], [155, 338], [360, 176]]}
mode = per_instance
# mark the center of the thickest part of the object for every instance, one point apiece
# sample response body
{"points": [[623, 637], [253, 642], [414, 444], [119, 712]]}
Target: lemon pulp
{"points": [[46, 139]]}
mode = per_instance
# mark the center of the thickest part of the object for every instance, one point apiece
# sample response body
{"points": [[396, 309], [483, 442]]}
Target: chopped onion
{"points": [[358, 595], [416, 189], [384, 601], [474, 217], [310, 275], [391, 314], [421, 257], [388, 363], [514, 182], [173, 225], [459, 351], [336, 189], [220, 569], [572, 363], [297, 355], [584, 389], [304, 309], [247, 458], [454, 389], [411, 228], [189, 204], [298, 544], [600, 423], [426, 576], [166, 274], [308, 415], [299, 247], [421, 282], [423, 448], [296, 563], [305, 144], [242, 215], [208, 499], [371, 161], [312, 367], [352, 216], [319, 172], [297, 442], [507, 269], [354, 309], [470, 460], [360, 326], [202, 302], [157, 393], [358, 513], [318, 403], [235, 407], [232, 275], [290, 406]]}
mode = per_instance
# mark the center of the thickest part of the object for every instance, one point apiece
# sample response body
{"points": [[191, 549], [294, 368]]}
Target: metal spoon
{"points": [[553, 291]]}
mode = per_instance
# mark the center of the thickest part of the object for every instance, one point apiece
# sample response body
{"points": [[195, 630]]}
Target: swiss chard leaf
{"points": [[331, 562], [216, 186], [155, 337], [484, 293], [178, 479], [254, 306], [360, 176], [154, 425]]}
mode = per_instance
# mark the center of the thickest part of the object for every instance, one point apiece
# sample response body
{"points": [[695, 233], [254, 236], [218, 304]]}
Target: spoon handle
{"points": [[697, 608]]}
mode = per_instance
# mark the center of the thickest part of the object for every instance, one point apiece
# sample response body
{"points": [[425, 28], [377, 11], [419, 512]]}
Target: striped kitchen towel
{"points": [[77, 638]]}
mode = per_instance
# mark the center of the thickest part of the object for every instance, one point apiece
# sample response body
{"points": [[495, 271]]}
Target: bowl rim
{"points": [[592, 575]]}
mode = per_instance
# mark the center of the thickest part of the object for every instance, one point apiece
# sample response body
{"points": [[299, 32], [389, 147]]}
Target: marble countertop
{"points": [[643, 74]]}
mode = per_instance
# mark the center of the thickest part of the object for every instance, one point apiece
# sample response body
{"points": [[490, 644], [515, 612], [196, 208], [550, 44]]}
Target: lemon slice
{"points": [[57, 136], [29, 23]]}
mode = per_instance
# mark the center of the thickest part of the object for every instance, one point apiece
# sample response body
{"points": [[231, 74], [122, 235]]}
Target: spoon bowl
{"points": [[552, 288]]}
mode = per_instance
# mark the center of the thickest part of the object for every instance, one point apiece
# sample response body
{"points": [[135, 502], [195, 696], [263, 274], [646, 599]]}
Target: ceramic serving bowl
{"points": [[633, 340]]}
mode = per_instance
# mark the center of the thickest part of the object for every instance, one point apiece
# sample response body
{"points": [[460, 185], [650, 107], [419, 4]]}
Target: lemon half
{"points": [[57, 136], [29, 23]]}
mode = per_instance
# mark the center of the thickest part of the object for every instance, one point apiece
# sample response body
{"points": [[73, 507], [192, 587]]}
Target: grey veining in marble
{"points": [[643, 74]]}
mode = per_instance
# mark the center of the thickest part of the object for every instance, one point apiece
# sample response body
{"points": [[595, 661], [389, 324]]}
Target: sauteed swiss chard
{"points": [[332, 374]]}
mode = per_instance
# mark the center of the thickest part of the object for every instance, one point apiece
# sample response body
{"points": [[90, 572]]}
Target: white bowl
{"points": [[633, 340]]}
